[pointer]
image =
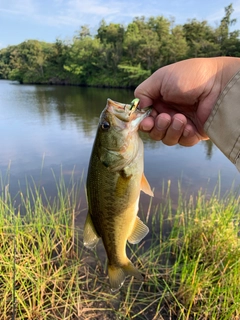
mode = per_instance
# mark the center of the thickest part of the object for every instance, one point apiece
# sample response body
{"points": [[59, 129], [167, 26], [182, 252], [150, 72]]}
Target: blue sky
{"points": [[47, 20]]}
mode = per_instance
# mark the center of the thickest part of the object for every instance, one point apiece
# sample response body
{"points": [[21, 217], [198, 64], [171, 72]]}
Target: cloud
{"points": [[74, 13], [22, 7], [61, 13], [95, 7]]}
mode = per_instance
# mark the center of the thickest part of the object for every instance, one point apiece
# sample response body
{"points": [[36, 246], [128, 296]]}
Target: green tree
{"points": [[201, 39], [160, 26], [27, 62], [83, 32], [148, 45], [54, 65], [131, 44], [118, 56], [83, 60], [132, 75], [112, 33], [177, 48], [5, 68], [228, 41], [111, 37]]}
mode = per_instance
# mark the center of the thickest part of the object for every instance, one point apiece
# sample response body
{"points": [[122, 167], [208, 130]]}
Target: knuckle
{"points": [[156, 137], [156, 134], [169, 142]]}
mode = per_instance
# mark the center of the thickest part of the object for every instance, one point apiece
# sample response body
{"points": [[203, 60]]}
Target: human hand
{"points": [[183, 95]]}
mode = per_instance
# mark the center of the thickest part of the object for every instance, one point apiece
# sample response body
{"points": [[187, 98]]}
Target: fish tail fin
{"points": [[117, 274]]}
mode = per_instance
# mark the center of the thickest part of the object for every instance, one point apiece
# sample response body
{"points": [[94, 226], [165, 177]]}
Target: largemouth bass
{"points": [[114, 181]]}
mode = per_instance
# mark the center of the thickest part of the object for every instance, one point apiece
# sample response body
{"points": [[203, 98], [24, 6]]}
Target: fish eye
{"points": [[105, 125]]}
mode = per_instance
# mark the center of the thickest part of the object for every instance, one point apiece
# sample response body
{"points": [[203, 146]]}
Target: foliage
{"points": [[118, 56]]}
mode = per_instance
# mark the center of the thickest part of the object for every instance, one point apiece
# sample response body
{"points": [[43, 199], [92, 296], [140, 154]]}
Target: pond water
{"points": [[52, 128]]}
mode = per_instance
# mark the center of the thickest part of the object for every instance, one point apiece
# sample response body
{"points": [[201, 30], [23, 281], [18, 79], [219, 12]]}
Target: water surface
{"points": [[45, 128]]}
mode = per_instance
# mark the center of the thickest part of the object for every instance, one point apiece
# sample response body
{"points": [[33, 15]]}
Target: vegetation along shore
{"points": [[191, 257], [117, 55], [191, 271]]}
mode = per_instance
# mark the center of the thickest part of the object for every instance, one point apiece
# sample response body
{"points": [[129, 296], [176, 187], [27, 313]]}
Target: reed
{"points": [[191, 271]]}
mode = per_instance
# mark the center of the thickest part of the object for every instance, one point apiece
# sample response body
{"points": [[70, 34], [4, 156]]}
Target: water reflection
{"points": [[209, 148], [58, 124], [82, 105]]}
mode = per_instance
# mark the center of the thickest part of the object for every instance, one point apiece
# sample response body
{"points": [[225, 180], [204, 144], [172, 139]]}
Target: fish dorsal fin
{"points": [[140, 230], [145, 186], [90, 236]]}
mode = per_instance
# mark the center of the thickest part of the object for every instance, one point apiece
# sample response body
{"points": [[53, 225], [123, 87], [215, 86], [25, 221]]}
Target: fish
{"points": [[114, 181]]}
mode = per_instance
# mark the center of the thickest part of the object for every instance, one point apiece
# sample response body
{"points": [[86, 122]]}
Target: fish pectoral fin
{"points": [[122, 183], [90, 236], [140, 230], [117, 274], [145, 186]]}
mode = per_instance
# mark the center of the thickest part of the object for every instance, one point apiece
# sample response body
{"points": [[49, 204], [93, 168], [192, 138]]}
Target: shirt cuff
{"points": [[223, 124]]}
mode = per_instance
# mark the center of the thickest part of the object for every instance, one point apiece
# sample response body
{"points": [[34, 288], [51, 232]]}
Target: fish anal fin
{"points": [[90, 236], [140, 230], [117, 275], [145, 186]]}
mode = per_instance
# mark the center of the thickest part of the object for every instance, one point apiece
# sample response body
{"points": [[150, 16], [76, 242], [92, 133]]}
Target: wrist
{"points": [[228, 67]]}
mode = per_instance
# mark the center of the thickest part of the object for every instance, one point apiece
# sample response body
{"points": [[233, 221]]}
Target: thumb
{"points": [[141, 92], [149, 90]]}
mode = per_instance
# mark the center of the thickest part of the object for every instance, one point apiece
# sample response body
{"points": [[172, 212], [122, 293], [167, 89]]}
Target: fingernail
{"points": [[162, 123], [177, 124], [144, 128], [186, 133]]}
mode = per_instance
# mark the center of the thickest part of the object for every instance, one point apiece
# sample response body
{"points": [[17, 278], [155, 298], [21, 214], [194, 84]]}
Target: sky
{"points": [[48, 20]]}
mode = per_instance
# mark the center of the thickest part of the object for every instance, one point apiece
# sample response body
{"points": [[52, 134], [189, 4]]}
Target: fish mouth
{"points": [[126, 112]]}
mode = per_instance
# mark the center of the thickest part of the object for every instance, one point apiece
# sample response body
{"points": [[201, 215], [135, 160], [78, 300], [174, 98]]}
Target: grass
{"points": [[191, 260]]}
